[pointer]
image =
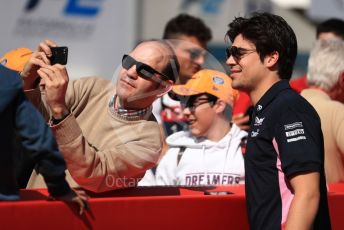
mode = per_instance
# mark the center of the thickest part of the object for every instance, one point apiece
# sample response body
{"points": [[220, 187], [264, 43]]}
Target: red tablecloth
{"points": [[145, 208]]}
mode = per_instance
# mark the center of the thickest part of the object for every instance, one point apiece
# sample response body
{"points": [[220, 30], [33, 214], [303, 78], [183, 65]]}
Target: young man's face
{"points": [[133, 90], [191, 56], [200, 115], [247, 70]]}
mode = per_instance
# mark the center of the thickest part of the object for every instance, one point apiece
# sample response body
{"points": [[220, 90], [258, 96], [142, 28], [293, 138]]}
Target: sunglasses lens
{"points": [[195, 54], [145, 71], [127, 62], [234, 52], [228, 53]]}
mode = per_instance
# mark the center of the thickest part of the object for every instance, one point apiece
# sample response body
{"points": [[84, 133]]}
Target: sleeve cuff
{"points": [[305, 167], [67, 130]]}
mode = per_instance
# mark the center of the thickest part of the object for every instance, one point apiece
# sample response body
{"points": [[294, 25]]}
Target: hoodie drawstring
{"points": [[204, 163], [227, 153]]}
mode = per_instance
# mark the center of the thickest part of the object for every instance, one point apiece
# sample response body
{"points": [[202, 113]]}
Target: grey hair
{"points": [[325, 63]]}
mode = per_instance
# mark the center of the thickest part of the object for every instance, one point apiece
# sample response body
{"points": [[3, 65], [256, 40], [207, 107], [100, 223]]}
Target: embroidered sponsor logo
{"points": [[218, 80], [259, 107], [296, 139], [295, 132], [255, 133], [293, 125], [259, 121]]}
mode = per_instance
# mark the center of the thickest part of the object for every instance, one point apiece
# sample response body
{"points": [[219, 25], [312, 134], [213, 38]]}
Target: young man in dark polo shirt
{"points": [[284, 160]]}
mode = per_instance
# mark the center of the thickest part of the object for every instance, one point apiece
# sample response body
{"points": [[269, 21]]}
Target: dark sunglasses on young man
{"points": [[142, 69], [196, 53], [237, 52]]}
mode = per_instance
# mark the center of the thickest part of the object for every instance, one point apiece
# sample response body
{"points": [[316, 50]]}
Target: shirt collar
{"points": [[128, 114], [274, 90]]}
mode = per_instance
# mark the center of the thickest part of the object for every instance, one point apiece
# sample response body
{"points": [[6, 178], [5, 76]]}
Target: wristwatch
{"points": [[55, 121]]}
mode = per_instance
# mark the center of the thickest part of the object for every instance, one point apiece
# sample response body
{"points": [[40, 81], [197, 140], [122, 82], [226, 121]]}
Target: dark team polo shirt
{"points": [[285, 139]]}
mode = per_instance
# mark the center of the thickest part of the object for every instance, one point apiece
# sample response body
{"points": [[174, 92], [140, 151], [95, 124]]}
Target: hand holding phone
{"points": [[59, 55]]}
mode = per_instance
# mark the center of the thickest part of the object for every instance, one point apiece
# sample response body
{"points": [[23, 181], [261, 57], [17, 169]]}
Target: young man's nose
{"points": [[231, 61], [200, 59]]}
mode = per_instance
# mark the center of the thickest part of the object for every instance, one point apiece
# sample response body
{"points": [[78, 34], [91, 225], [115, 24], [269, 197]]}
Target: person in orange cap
{"points": [[16, 59], [209, 152]]}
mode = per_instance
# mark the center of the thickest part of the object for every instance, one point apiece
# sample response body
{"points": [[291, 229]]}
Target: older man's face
{"points": [[133, 90]]}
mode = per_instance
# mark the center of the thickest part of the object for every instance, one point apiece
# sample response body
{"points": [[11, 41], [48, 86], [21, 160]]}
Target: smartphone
{"points": [[59, 55]]}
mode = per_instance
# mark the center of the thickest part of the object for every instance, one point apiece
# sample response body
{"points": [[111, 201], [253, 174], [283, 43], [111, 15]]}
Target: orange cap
{"points": [[209, 81], [16, 59]]}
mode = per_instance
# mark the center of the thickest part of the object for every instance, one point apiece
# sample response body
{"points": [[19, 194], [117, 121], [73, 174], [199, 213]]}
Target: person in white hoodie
{"points": [[209, 152]]}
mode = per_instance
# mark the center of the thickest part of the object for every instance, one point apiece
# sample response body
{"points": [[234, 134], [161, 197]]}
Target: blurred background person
{"points": [[209, 152], [329, 29], [188, 36], [326, 94]]}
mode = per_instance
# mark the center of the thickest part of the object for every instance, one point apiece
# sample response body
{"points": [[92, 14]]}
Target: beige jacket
{"points": [[103, 151], [331, 114]]}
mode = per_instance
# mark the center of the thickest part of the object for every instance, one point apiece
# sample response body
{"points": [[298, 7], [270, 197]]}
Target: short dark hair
{"points": [[332, 25], [184, 24], [269, 33]]}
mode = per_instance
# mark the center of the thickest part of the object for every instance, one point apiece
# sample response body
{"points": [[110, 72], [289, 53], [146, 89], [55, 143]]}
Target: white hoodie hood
{"points": [[203, 162], [185, 139]]}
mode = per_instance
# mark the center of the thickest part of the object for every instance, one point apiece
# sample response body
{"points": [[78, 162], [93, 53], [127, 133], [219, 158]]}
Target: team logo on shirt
{"points": [[296, 139], [296, 132], [293, 125], [255, 133], [258, 121]]}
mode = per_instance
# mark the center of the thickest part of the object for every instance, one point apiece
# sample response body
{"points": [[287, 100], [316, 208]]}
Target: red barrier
{"points": [[143, 208]]}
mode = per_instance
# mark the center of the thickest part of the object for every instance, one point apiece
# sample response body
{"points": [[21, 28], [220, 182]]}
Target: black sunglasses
{"points": [[196, 53], [142, 69], [192, 102], [237, 52]]}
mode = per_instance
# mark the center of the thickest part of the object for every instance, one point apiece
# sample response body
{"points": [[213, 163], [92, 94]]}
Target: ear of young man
{"points": [[271, 59]]}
